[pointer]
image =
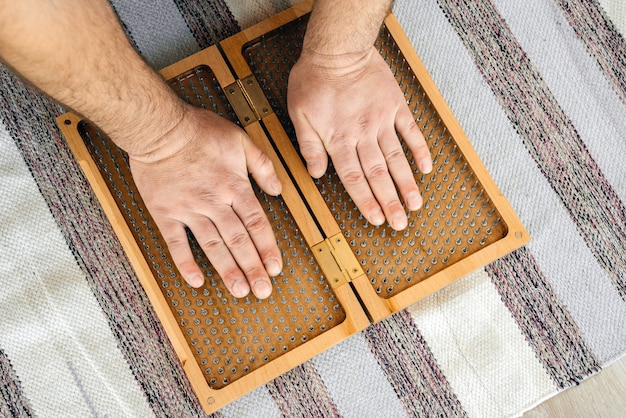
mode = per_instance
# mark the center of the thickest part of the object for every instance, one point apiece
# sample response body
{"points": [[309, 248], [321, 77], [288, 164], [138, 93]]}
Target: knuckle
{"points": [[377, 171], [237, 240], [229, 276], [368, 206], [206, 196], [174, 241], [257, 223], [412, 128], [353, 177], [363, 123], [337, 141], [264, 162], [396, 154], [393, 205], [210, 244]]}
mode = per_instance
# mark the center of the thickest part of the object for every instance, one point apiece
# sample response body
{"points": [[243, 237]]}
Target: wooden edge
{"points": [[377, 307], [213, 399], [211, 57], [233, 45], [290, 194], [516, 236], [210, 399], [68, 124], [456, 271], [302, 177], [355, 321], [500, 202]]}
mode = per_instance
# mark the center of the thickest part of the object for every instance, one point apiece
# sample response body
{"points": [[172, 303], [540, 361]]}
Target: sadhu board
{"points": [[340, 273]]}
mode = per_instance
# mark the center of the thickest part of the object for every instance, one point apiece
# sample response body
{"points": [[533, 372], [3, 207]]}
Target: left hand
{"points": [[351, 107]]}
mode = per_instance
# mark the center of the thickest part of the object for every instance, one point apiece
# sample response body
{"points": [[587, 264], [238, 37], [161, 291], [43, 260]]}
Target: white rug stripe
{"points": [[558, 248], [247, 13], [68, 361], [357, 384], [616, 11], [258, 403], [576, 81], [480, 349], [158, 29]]}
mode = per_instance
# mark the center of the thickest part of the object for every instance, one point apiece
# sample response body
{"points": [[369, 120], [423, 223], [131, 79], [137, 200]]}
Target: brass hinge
{"points": [[248, 100], [337, 260]]}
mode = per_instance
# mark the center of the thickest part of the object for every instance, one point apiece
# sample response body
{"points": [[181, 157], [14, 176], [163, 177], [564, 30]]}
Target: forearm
{"points": [[77, 53], [345, 27]]}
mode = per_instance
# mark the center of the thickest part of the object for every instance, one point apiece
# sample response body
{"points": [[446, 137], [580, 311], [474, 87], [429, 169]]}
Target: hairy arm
{"points": [[79, 55], [344, 102], [190, 165]]}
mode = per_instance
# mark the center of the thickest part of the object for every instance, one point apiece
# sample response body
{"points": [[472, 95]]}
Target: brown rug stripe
{"points": [[411, 368], [546, 323], [602, 39], [13, 403], [547, 132], [209, 21], [29, 118], [301, 393]]}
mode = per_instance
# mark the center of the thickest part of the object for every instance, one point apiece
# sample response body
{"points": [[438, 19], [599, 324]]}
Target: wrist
{"points": [[162, 132], [336, 66]]}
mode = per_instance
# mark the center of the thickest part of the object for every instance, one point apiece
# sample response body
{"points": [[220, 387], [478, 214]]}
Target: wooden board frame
{"points": [[359, 300], [214, 399], [377, 307]]}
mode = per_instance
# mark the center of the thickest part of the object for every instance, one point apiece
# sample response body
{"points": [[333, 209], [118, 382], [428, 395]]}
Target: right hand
{"points": [[350, 106], [201, 181]]}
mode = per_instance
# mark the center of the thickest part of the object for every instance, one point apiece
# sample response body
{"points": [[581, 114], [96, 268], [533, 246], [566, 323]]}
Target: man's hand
{"points": [[350, 106], [190, 165], [202, 183]]}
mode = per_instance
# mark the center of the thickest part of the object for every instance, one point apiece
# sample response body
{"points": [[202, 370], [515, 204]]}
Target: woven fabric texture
{"points": [[539, 88]]}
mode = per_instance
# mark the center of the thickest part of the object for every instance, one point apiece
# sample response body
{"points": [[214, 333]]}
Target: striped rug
{"points": [[540, 89]]}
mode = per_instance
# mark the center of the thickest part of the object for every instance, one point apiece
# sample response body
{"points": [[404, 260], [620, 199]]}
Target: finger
{"points": [[412, 136], [251, 214], [262, 237], [311, 147], [400, 169], [379, 178], [219, 255], [350, 172], [233, 229], [261, 168], [177, 242]]}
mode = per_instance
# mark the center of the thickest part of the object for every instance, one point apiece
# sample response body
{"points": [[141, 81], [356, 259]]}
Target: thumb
{"points": [[311, 148], [261, 168]]}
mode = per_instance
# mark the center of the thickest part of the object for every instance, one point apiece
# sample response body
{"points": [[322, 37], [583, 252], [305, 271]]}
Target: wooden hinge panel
{"points": [[337, 260]]}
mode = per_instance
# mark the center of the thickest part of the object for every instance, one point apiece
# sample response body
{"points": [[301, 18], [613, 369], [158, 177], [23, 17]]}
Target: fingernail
{"points": [[194, 280], [426, 166], [413, 201], [240, 288], [377, 217], [275, 185], [273, 267], [399, 221], [262, 289], [314, 168]]}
